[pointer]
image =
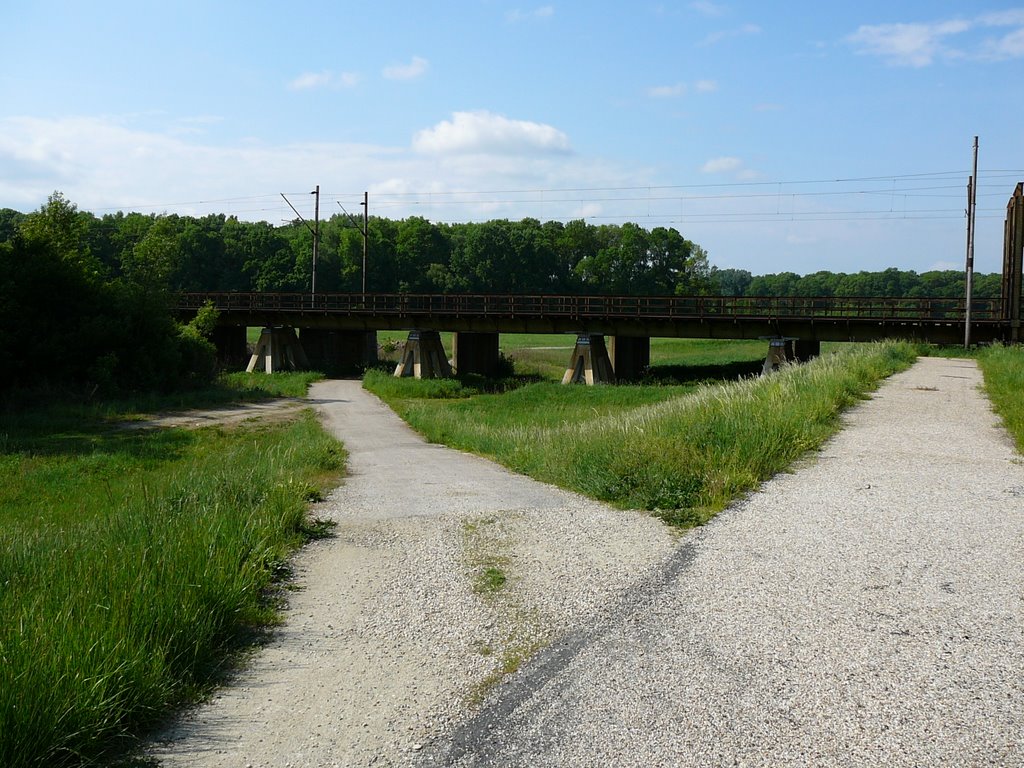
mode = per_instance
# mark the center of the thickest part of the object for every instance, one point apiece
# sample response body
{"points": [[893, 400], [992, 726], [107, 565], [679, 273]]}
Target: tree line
{"points": [[221, 253], [892, 282], [89, 300]]}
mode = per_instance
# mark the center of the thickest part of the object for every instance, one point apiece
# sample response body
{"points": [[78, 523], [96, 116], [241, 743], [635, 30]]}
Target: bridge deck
{"points": [[821, 318]]}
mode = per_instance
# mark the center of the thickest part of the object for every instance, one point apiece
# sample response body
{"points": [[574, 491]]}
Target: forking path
{"points": [[865, 609]]}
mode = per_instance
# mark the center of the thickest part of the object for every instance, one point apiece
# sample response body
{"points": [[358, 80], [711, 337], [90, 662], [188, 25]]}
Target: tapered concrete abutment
{"points": [[339, 350], [423, 357], [475, 353], [631, 357], [590, 363], [278, 349]]}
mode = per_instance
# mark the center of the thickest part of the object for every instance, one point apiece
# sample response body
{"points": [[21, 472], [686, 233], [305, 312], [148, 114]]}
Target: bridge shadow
{"points": [[694, 374]]}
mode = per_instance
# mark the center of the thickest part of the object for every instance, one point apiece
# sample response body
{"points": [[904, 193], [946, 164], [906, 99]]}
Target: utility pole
{"points": [[314, 230], [316, 237], [972, 201], [366, 230]]}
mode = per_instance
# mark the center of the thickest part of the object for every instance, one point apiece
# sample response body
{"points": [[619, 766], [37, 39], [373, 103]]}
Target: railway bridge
{"points": [[341, 328]]}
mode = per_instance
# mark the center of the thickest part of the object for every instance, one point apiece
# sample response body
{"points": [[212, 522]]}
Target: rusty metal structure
{"points": [[724, 317], [1013, 262]]}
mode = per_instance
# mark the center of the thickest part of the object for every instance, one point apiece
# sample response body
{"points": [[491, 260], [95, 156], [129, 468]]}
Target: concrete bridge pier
{"points": [[278, 349], [590, 362], [232, 345], [475, 353], [788, 349], [424, 357], [631, 357], [339, 349]]}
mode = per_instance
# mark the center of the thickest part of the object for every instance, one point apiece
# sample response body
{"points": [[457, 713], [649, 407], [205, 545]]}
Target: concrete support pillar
{"points": [[590, 362], [337, 350], [232, 345], [631, 357], [475, 353], [278, 349], [424, 357], [776, 357]]}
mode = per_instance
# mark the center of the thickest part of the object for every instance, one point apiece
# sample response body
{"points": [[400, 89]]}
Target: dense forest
{"points": [[89, 298]]}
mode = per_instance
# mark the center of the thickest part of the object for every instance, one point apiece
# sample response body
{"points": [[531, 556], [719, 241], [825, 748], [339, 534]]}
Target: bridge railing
{"points": [[602, 307]]}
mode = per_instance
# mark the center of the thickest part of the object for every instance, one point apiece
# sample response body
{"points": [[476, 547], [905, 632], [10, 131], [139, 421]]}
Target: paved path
{"points": [[865, 610], [387, 642]]}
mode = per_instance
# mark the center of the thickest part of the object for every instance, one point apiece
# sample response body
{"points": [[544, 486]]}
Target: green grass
{"points": [[683, 452], [1003, 368], [133, 564], [546, 356]]}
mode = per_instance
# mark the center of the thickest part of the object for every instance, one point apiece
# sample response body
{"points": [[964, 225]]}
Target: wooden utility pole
{"points": [[972, 200]]}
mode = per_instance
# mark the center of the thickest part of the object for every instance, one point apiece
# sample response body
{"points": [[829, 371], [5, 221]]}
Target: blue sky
{"points": [[779, 136]]}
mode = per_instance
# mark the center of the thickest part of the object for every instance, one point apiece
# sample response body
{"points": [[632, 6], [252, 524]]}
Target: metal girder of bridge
{"points": [[1013, 261]]}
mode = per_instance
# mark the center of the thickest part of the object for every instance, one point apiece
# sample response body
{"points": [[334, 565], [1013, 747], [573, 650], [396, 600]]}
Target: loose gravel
{"points": [[864, 610], [390, 641]]}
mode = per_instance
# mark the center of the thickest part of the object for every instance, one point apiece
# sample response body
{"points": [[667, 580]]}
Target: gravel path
{"points": [[388, 643], [865, 610]]}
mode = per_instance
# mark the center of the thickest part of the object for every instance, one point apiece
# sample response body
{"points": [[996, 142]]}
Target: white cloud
{"points": [[490, 134], [725, 34], [107, 164], [919, 44], [326, 79], [666, 91], [706, 8], [1010, 46], [588, 211], [913, 45], [942, 266], [414, 69], [1013, 17], [517, 15], [721, 165], [680, 89]]}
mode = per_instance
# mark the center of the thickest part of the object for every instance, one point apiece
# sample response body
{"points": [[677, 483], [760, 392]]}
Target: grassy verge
{"points": [[132, 565], [1003, 368], [546, 356], [683, 452]]}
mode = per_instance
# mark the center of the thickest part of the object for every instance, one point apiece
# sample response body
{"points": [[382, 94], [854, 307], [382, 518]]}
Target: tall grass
{"points": [[1003, 368], [683, 454], [114, 610]]}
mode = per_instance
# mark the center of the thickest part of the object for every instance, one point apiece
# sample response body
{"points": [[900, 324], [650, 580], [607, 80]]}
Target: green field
{"points": [[1003, 368], [547, 355], [683, 451], [135, 562]]}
